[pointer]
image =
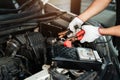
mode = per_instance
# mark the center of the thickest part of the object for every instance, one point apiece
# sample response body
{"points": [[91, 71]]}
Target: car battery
{"points": [[76, 58]]}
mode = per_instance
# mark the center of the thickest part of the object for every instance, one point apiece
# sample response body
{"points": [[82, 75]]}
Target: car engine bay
{"points": [[29, 40]]}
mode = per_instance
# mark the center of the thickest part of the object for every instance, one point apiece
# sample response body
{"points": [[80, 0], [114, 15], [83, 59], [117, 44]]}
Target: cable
{"points": [[26, 18], [3, 11]]}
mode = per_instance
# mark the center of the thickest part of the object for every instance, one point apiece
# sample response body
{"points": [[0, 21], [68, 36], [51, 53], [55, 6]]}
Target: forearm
{"points": [[113, 31], [96, 7]]}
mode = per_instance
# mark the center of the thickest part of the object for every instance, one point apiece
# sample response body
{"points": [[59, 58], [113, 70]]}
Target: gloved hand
{"points": [[75, 22], [91, 33]]}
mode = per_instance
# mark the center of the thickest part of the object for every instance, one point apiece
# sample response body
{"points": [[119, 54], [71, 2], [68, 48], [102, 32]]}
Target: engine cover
{"points": [[10, 68]]}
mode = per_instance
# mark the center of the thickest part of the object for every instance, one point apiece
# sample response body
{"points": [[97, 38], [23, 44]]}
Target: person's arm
{"points": [[113, 31], [96, 7]]}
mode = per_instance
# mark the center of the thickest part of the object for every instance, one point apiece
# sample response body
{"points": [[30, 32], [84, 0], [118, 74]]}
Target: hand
{"points": [[91, 33], [75, 22]]}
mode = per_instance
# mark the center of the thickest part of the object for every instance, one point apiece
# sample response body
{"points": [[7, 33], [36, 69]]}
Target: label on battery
{"points": [[88, 54]]}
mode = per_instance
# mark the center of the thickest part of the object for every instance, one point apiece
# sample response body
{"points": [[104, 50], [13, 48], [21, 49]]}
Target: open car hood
{"points": [[29, 40]]}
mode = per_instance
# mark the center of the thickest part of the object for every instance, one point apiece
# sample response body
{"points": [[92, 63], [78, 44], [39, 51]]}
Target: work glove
{"points": [[75, 24], [91, 33]]}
